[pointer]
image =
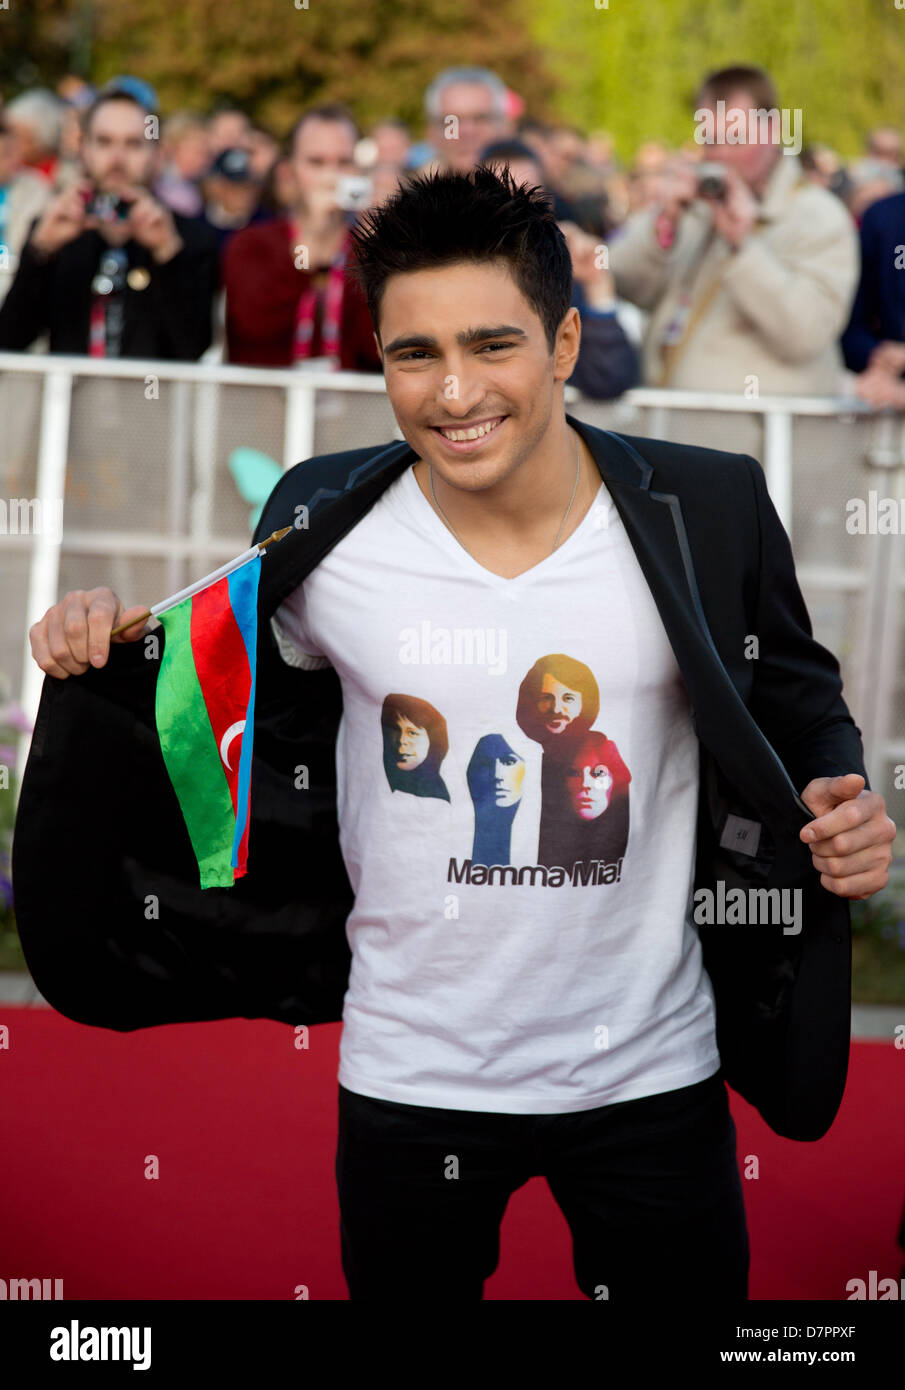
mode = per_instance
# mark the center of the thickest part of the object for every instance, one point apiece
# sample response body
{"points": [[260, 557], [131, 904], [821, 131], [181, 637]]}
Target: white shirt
{"points": [[523, 864]]}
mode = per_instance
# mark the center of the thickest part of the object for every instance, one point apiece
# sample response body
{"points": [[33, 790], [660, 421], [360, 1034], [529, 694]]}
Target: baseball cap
{"points": [[136, 87]]}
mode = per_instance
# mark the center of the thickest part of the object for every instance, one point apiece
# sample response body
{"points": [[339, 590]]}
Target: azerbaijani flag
{"points": [[204, 708]]}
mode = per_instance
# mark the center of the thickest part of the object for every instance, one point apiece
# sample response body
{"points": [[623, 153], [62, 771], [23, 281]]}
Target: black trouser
{"points": [[650, 1189]]}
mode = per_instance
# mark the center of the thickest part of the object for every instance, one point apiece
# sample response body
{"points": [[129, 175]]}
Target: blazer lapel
{"points": [[331, 513], [654, 525]]}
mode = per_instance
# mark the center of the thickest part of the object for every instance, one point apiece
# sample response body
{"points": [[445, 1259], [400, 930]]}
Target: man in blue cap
{"points": [[107, 269]]}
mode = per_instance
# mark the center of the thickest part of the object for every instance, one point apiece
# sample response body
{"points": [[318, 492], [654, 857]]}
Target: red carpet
{"points": [[242, 1126]]}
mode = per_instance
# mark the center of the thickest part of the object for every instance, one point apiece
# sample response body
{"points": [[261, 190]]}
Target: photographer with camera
{"points": [[289, 299], [748, 269], [106, 268]]}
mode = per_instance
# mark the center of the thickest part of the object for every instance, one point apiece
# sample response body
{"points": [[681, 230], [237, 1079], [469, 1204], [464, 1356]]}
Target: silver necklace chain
{"points": [[430, 474]]}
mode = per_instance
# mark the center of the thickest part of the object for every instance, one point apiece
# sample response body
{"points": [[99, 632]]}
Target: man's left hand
{"points": [[151, 224], [734, 215], [851, 837]]}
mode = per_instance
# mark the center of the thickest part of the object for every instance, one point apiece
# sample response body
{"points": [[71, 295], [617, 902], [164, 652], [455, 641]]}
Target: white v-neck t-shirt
{"points": [[517, 791]]}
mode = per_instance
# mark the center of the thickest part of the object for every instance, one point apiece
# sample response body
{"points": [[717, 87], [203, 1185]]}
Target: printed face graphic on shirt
{"points": [[415, 742], [595, 776], [584, 811], [589, 785], [496, 775], [557, 705], [412, 744], [584, 804], [557, 701]]}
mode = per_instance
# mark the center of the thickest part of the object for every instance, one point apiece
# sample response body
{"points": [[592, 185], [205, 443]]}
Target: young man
{"points": [[289, 299], [513, 616]]}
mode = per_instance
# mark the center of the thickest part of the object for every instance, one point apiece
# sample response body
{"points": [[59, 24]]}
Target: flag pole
{"points": [[203, 583]]}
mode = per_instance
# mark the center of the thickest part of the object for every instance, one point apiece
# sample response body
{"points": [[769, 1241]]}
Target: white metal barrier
{"points": [[186, 536]]}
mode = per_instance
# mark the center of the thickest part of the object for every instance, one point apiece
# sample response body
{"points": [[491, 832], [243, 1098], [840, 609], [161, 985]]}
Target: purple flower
{"points": [[16, 718]]}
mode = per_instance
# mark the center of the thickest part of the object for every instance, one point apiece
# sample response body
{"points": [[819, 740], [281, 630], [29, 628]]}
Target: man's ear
{"points": [[379, 348], [568, 341]]}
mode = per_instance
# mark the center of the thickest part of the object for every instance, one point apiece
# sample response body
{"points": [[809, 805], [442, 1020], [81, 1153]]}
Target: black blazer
{"points": [[118, 934], [170, 318]]}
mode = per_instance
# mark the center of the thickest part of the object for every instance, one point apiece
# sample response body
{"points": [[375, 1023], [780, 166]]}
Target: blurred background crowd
{"points": [[747, 266]]}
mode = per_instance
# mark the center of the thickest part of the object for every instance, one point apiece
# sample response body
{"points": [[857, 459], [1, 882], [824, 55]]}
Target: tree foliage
{"points": [[272, 59], [38, 40], [629, 66], [632, 68]]}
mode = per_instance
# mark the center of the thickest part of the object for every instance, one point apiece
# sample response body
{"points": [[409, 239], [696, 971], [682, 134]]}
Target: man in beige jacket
{"points": [[749, 281]]}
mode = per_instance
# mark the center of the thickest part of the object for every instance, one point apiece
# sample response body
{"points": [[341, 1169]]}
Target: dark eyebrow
{"points": [[464, 339]]}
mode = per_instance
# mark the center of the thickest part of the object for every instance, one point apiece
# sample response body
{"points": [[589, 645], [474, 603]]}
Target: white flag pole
{"points": [[203, 583]]}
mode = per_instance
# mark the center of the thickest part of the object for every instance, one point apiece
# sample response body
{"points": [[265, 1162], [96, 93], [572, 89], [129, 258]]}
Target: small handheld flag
{"points": [[204, 710]]}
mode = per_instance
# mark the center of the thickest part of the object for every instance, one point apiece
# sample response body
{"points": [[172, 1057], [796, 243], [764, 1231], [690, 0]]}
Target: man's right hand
{"points": [[75, 633], [63, 219], [679, 190]]}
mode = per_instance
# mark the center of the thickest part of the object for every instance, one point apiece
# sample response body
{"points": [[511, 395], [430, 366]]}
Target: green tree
{"points": [[630, 66], [633, 68], [272, 59], [40, 41]]}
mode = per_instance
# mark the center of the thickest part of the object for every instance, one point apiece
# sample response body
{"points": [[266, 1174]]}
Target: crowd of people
{"points": [[749, 265]]}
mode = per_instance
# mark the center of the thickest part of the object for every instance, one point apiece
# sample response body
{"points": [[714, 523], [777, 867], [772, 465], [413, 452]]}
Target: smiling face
{"points": [[557, 704], [463, 347]]}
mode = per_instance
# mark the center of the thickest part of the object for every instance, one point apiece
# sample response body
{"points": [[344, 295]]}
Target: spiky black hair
{"points": [[445, 218]]}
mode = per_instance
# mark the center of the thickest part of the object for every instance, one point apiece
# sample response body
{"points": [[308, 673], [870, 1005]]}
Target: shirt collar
{"points": [[784, 176]]}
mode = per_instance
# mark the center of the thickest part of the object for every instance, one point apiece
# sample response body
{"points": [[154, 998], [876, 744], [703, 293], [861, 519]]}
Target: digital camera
{"points": [[354, 192], [106, 207], [711, 180]]}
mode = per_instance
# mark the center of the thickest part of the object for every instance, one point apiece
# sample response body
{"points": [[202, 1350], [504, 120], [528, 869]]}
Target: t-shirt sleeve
{"points": [[289, 627]]}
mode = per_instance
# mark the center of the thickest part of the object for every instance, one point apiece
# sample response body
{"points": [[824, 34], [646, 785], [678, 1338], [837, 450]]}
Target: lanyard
{"points": [[332, 301], [105, 325], [97, 331]]}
